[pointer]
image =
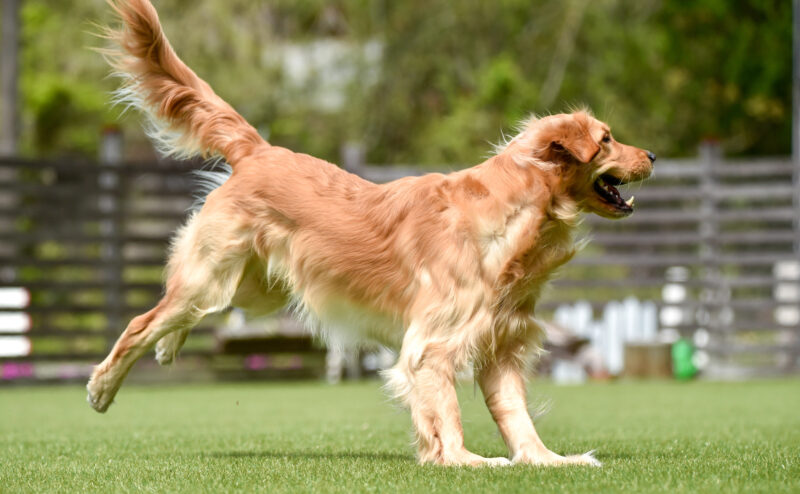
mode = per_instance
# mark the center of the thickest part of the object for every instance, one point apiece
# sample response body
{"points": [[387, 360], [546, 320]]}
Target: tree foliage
{"points": [[666, 74]]}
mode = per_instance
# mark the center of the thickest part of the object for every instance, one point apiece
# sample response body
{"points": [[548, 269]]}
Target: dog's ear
{"points": [[567, 139], [577, 142]]}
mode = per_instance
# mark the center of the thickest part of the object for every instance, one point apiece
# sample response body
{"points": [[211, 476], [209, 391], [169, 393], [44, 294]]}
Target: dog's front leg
{"points": [[427, 386], [503, 384]]}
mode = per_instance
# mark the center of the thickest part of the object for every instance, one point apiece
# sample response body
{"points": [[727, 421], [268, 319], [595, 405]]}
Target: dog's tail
{"points": [[187, 117]]}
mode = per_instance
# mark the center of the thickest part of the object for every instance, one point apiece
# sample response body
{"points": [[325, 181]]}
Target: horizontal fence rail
{"points": [[713, 242]]}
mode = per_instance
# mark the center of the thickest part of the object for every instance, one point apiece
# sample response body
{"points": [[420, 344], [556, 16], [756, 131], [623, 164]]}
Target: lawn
{"points": [[311, 437]]}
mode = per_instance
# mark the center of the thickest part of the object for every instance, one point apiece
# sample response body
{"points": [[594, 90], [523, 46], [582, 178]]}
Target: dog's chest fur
{"points": [[550, 244]]}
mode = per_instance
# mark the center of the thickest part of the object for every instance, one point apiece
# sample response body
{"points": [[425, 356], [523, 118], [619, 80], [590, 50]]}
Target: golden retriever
{"points": [[447, 268]]}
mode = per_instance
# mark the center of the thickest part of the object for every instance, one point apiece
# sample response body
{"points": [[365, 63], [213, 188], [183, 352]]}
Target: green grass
{"points": [[310, 437]]}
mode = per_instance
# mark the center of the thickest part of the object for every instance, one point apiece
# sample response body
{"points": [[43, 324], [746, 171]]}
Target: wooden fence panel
{"points": [[88, 242], [731, 226]]}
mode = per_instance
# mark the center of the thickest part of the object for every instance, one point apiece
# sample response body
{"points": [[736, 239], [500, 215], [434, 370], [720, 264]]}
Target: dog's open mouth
{"points": [[605, 186]]}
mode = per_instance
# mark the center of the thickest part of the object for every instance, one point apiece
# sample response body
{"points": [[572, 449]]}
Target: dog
{"points": [[446, 268]]}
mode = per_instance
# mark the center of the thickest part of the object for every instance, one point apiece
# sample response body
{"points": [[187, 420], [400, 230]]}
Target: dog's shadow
{"points": [[312, 455]]}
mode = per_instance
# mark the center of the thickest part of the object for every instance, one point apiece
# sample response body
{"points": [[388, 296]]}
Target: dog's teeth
{"points": [[629, 202]]}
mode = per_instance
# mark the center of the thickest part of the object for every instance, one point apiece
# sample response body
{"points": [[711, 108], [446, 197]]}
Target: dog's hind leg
{"points": [[253, 294], [204, 272], [168, 347], [171, 314]]}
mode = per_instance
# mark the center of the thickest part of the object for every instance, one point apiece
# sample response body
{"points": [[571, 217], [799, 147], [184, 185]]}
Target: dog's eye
{"points": [[606, 138]]}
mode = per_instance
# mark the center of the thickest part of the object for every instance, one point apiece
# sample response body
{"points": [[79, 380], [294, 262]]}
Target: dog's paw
{"points": [[496, 462], [98, 397], [551, 459], [164, 356], [473, 460], [587, 459], [465, 458]]}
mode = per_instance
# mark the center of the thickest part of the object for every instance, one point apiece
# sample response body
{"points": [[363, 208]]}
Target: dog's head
{"points": [[589, 161]]}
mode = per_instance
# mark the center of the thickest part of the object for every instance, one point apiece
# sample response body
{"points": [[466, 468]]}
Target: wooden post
{"points": [[643, 360], [795, 356], [353, 157], [711, 294], [796, 120], [9, 74], [110, 204]]}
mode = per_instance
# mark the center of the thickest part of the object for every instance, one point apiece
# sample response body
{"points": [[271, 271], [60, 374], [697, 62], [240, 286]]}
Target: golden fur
{"points": [[447, 268]]}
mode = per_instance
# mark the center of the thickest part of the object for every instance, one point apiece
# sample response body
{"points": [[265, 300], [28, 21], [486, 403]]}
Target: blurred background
{"points": [[703, 280]]}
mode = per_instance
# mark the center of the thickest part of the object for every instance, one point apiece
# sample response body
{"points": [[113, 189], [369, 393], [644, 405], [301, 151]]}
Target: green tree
{"points": [[666, 74]]}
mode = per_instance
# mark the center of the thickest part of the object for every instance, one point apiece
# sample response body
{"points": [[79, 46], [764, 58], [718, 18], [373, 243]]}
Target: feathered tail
{"points": [[187, 117]]}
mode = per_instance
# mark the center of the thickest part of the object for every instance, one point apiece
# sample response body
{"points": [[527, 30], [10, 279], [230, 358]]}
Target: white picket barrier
{"points": [[14, 322], [629, 321]]}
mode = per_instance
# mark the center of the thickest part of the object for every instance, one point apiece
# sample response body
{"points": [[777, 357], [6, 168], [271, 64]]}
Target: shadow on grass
{"points": [[340, 455]]}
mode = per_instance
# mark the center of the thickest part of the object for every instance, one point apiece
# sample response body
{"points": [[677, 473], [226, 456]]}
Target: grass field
{"points": [[311, 437]]}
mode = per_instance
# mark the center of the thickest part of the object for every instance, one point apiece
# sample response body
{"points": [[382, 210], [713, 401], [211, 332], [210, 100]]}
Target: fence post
{"points": [[353, 157], [796, 121], [793, 336], [9, 74], [711, 295], [110, 205]]}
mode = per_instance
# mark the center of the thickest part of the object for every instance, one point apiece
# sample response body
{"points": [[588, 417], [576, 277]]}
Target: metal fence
{"points": [[714, 244]]}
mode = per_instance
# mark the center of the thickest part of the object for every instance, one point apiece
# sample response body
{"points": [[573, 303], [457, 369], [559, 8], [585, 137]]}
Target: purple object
{"points": [[16, 370]]}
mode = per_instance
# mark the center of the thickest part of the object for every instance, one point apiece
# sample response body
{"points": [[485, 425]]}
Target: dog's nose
{"points": [[651, 156]]}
